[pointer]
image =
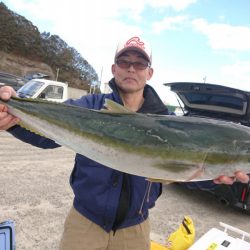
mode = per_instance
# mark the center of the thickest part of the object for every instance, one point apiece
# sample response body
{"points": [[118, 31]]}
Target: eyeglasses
{"points": [[137, 65]]}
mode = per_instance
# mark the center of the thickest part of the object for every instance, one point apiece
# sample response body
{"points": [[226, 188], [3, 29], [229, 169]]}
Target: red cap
{"points": [[137, 44]]}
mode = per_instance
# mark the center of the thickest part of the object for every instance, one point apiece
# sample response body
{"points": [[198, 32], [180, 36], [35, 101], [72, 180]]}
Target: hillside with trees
{"points": [[19, 37]]}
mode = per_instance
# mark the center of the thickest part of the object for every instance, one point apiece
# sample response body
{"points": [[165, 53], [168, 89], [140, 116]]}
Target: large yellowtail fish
{"points": [[169, 148]]}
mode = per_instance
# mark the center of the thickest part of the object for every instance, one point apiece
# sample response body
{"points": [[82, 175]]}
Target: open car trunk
{"points": [[214, 101]]}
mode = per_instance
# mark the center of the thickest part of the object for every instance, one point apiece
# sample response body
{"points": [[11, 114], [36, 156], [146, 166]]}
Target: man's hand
{"points": [[238, 176], [6, 120]]}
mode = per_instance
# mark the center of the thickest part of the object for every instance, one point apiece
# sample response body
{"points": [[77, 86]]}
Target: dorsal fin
{"points": [[113, 107]]}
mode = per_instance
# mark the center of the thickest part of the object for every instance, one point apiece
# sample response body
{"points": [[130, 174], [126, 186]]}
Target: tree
{"points": [[20, 37]]}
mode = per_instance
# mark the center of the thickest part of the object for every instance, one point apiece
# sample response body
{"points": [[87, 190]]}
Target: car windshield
{"points": [[30, 88]]}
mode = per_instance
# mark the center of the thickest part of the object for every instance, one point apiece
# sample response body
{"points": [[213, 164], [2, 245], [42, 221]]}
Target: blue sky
{"points": [[191, 39]]}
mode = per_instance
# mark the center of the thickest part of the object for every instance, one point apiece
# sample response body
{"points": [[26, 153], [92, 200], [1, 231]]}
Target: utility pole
{"points": [[57, 73]]}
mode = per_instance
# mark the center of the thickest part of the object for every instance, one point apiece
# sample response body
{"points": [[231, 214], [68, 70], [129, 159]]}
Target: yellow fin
{"points": [[113, 107], [23, 125]]}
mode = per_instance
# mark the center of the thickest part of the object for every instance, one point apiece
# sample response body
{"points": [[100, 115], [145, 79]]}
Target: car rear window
{"points": [[216, 100]]}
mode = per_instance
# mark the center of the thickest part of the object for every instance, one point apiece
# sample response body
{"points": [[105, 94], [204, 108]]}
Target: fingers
{"points": [[6, 120], [239, 176], [6, 92], [242, 177], [224, 180]]}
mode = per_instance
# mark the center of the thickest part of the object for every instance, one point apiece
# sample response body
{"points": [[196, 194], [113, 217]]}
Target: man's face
{"points": [[131, 79]]}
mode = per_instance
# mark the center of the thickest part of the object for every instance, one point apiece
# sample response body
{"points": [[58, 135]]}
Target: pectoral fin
{"points": [[115, 108]]}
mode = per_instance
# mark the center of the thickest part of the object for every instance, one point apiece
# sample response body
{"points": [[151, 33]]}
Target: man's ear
{"points": [[150, 73], [113, 69]]}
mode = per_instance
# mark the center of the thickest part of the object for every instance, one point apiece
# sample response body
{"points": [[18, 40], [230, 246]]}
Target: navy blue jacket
{"points": [[96, 187]]}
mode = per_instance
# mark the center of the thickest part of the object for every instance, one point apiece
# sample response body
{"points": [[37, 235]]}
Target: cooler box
{"points": [[7, 235], [216, 239]]}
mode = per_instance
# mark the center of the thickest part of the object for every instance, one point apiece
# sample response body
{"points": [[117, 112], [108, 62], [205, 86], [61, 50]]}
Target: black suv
{"points": [[217, 102]]}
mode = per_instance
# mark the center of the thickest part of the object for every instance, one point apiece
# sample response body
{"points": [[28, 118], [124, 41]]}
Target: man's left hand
{"points": [[238, 176]]}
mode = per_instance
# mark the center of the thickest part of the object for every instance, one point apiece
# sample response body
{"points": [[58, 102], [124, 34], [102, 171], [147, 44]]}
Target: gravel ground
{"points": [[35, 193]]}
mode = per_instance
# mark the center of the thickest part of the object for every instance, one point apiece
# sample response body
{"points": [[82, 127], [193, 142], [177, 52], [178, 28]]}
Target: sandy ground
{"points": [[35, 193]]}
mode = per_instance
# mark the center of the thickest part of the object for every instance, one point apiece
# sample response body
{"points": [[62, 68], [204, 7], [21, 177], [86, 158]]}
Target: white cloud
{"points": [[177, 5], [224, 36], [238, 74], [169, 23], [77, 10]]}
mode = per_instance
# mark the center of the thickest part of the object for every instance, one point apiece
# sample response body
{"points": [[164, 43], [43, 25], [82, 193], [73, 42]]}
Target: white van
{"points": [[44, 89]]}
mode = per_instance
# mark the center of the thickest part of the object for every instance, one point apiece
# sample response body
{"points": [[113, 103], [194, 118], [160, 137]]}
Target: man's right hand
{"points": [[6, 120]]}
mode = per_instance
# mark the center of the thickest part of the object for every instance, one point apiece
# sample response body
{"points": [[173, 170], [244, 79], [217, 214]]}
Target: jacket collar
{"points": [[152, 102]]}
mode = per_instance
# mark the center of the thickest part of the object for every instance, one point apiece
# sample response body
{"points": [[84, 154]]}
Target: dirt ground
{"points": [[35, 194]]}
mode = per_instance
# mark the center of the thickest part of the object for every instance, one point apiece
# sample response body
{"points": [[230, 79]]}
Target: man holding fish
{"points": [[110, 208]]}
